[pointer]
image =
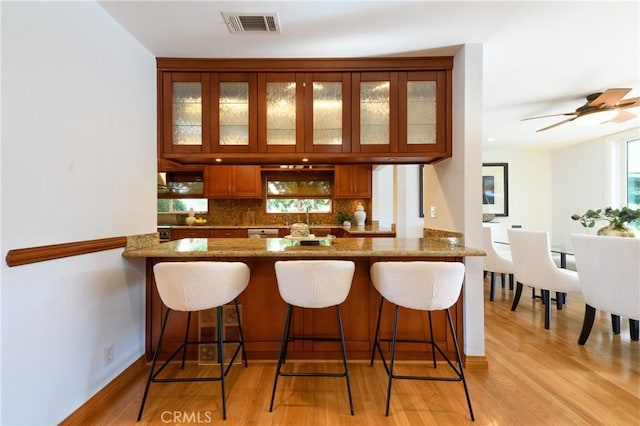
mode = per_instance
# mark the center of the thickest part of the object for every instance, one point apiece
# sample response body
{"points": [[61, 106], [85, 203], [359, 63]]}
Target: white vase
{"points": [[360, 215]]}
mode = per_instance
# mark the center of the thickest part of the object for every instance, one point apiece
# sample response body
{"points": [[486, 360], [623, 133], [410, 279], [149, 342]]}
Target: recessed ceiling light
{"points": [[491, 139]]}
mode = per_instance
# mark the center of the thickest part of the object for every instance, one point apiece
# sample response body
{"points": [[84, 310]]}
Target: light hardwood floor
{"points": [[535, 377]]}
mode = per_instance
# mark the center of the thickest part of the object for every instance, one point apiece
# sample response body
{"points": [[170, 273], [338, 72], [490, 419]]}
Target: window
{"points": [[174, 205], [299, 192], [633, 174]]}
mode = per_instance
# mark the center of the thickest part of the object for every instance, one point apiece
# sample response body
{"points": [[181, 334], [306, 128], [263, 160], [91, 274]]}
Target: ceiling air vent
{"points": [[252, 23]]}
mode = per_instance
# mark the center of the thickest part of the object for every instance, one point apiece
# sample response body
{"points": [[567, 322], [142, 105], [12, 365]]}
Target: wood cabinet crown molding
{"points": [[304, 65]]}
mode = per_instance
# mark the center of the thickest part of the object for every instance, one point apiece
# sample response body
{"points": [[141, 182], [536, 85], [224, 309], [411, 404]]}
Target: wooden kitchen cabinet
{"points": [[304, 112], [206, 113], [400, 112], [233, 182], [228, 233], [353, 181], [281, 111], [179, 233]]}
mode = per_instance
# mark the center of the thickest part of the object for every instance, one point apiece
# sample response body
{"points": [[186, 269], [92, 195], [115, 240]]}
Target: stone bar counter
{"points": [[262, 309]]}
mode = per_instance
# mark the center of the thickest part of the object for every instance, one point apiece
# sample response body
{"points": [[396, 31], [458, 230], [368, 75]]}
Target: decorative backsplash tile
{"points": [[253, 212]]}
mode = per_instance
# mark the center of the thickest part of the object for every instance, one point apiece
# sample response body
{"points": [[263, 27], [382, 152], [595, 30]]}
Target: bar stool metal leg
{"points": [[283, 346], [186, 339], [153, 364], [393, 356], [344, 357], [376, 339], [464, 380], [433, 348]]}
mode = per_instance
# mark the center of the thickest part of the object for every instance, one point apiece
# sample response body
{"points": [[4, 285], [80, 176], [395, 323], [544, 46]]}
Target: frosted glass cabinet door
{"points": [[234, 112], [185, 121], [187, 113], [422, 112], [375, 115], [328, 112]]}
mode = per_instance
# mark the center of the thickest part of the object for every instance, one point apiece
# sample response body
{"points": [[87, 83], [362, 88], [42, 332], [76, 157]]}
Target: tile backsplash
{"points": [[253, 212]]}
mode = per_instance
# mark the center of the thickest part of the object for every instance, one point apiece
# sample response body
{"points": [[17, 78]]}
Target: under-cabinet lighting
{"points": [[218, 160], [304, 160]]}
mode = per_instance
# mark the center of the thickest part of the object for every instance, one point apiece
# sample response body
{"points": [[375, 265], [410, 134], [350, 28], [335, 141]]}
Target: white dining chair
{"points": [[609, 271], [496, 262], [534, 267]]}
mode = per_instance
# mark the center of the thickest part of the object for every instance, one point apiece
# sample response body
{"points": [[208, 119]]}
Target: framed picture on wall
{"points": [[495, 189]]}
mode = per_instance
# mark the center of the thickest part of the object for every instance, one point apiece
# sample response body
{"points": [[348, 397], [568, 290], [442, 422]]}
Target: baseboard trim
{"points": [[476, 362], [103, 397]]}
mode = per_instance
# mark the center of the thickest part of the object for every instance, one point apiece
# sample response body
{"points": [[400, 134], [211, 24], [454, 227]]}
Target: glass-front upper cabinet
{"points": [[185, 118], [304, 112], [422, 111], [400, 111], [375, 112], [234, 110]]}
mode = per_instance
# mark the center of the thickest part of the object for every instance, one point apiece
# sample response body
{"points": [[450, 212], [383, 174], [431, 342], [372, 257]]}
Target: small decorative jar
{"points": [[360, 215], [191, 218]]}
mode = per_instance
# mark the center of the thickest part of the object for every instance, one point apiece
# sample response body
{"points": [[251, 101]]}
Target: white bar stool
{"points": [[425, 286], [313, 284], [196, 286]]}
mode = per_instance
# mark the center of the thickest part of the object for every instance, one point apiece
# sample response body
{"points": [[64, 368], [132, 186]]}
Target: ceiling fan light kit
{"points": [[600, 108]]}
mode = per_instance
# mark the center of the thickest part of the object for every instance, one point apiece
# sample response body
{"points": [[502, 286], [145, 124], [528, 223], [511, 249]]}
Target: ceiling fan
{"points": [[601, 108]]}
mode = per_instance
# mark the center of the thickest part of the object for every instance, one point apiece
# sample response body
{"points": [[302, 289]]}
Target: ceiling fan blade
{"points": [[557, 124], [622, 116], [550, 115], [629, 103], [609, 98]]}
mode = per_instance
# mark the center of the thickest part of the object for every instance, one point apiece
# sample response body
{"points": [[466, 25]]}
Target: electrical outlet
{"points": [[108, 355], [434, 212]]}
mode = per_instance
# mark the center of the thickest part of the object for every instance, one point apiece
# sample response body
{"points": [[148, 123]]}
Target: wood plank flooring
{"points": [[535, 377]]}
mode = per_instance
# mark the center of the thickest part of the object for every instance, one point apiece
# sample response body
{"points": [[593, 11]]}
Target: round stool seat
{"points": [[427, 286], [314, 283]]}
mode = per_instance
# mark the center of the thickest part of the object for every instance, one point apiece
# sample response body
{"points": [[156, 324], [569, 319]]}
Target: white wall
{"points": [[530, 189], [409, 224], [591, 182], [78, 163], [382, 194]]}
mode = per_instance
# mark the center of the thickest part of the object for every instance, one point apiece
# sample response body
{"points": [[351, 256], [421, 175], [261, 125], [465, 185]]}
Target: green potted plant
{"points": [[618, 219], [345, 218]]}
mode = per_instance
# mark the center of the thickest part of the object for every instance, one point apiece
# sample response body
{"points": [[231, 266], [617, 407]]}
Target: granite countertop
{"points": [[281, 247], [367, 229]]}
